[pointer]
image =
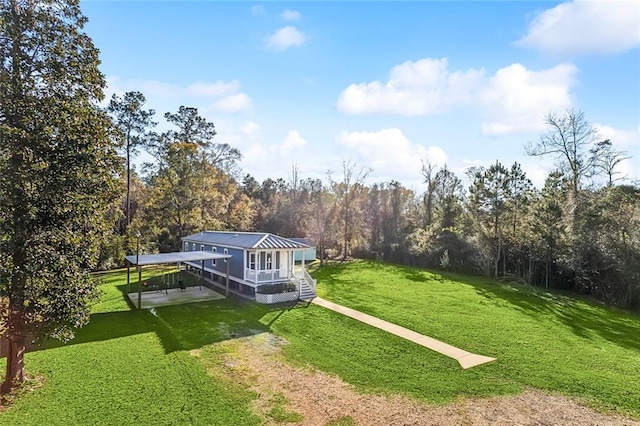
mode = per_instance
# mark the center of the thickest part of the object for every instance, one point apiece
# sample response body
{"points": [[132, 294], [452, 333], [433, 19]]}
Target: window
{"points": [[269, 261], [226, 251], [252, 261], [215, 250], [201, 247]]}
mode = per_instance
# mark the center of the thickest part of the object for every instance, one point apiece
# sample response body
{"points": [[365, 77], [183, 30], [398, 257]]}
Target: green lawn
{"points": [[546, 341], [129, 367]]}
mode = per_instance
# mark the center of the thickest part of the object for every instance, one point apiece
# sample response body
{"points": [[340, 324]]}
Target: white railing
{"points": [[309, 279], [265, 276]]}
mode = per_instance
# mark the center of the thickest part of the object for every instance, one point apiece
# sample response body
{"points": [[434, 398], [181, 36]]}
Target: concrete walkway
{"points": [[466, 359]]}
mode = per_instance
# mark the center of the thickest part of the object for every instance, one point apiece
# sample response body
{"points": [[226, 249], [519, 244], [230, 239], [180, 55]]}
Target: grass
{"points": [[132, 367], [279, 412], [550, 342]]}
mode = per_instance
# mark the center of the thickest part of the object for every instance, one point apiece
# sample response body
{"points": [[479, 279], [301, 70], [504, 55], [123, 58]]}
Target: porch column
{"points": [[139, 287], [202, 274], [128, 278], [258, 265], [303, 261]]}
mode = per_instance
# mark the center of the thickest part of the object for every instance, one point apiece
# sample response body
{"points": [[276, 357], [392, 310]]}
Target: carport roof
{"points": [[175, 257]]}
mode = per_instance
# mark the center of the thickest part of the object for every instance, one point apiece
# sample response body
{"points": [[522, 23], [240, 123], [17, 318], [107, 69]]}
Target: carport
{"points": [[140, 260]]}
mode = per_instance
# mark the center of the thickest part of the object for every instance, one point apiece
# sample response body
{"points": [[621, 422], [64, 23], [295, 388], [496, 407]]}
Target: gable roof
{"points": [[252, 240]]}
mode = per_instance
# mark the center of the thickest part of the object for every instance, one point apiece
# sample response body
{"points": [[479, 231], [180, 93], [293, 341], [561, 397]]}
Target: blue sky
{"points": [[379, 83]]}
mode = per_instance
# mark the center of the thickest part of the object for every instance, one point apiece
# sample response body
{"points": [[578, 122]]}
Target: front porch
{"points": [[272, 266], [279, 266]]}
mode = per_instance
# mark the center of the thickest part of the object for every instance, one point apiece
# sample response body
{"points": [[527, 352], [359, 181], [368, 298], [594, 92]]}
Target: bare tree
{"points": [[569, 139], [346, 191], [606, 159]]}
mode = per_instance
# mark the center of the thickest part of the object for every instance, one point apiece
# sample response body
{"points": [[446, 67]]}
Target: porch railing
{"points": [[301, 277], [309, 279], [265, 276]]}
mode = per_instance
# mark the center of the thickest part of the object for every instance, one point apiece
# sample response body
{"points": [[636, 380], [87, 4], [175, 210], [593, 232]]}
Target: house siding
{"points": [[236, 263]]}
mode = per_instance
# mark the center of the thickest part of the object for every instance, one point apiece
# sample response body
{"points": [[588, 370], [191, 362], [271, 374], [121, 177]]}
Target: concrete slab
{"points": [[464, 358], [154, 299]]}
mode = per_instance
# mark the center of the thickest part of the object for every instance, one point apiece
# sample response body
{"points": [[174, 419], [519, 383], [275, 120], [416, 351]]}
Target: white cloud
{"points": [[285, 38], [269, 160], [232, 104], [620, 138], [536, 171], [290, 15], [250, 128], [213, 90], [293, 141], [390, 154], [583, 27], [513, 100], [414, 88], [516, 99], [222, 96]]}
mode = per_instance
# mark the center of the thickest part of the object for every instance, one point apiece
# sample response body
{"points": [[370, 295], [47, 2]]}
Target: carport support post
{"points": [[139, 287], [202, 275], [128, 278], [227, 288]]}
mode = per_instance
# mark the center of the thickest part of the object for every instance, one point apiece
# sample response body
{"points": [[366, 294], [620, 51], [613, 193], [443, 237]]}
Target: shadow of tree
{"points": [[182, 327], [583, 318]]}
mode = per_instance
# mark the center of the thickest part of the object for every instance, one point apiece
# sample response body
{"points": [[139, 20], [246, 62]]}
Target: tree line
{"points": [[579, 232]]}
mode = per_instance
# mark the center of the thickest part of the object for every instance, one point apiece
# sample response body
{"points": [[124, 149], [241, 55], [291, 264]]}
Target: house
{"points": [[309, 254], [257, 260]]}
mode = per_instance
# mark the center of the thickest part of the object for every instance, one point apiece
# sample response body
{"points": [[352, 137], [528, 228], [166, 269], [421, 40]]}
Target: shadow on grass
{"points": [[583, 318], [181, 327]]}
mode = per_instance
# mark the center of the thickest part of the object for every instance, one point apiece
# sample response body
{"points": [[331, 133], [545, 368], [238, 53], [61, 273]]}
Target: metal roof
{"points": [[253, 240], [306, 241], [175, 257]]}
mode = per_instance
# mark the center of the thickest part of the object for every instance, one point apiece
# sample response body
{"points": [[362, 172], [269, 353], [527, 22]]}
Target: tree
{"points": [[58, 171], [427, 171], [131, 124], [488, 199], [447, 193], [190, 185], [606, 159], [569, 138], [547, 220], [346, 192]]}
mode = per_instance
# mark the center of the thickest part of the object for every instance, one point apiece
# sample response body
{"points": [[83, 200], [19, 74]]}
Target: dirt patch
{"points": [[323, 399]]}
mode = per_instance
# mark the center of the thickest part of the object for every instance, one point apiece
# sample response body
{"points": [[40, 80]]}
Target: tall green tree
{"points": [[488, 198], [131, 124], [547, 222], [190, 184], [58, 169]]}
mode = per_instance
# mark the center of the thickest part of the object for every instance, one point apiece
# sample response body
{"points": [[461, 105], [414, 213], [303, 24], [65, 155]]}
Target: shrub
{"points": [[276, 288]]}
